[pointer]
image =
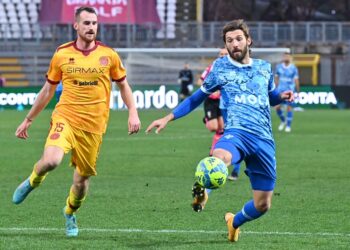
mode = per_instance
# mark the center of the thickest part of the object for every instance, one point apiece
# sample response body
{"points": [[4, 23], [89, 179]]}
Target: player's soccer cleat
{"points": [[233, 176], [22, 191], [233, 233], [71, 224], [200, 197], [288, 129], [281, 126]]}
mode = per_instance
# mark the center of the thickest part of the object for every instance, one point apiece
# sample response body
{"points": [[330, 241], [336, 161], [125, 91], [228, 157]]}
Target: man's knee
{"points": [[263, 205], [51, 158], [50, 162], [224, 155]]}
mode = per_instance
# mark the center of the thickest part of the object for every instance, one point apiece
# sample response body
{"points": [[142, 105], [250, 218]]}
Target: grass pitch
{"points": [[141, 196]]}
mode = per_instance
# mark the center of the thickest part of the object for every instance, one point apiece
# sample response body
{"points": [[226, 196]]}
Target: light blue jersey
{"points": [[245, 94], [286, 76]]}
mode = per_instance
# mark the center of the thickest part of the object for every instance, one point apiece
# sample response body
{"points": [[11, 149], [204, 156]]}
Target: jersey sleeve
{"points": [[212, 81], [205, 72], [54, 74], [118, 71]]}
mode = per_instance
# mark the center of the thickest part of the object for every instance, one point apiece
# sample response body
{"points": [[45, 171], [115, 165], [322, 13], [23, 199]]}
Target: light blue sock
{"points": [[289, 118], [248, 213], [280, 115]]}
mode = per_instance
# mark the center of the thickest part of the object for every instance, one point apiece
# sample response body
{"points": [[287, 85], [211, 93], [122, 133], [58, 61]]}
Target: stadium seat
{"points": [[13, 19], [3, 27], [27, 34], [3, 19], [10, 7], [7, 34], [23, 19], [16, 34], [26, 27], [46, 32], [32, 7], [11, 13], [171, 17], [171, 7], [21, 6], [33, 19]]}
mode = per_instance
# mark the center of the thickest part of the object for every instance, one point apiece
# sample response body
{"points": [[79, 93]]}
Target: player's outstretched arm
{"points": [[134, 123], [287, 96], [43, 98], [183, 109], [276, 97], [160, 124]]}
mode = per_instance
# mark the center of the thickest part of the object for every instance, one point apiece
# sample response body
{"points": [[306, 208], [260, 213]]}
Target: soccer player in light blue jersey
{"points": [[286, 78], [247, 88]]}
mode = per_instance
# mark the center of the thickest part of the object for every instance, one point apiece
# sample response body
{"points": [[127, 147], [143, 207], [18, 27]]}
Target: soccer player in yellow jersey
{"points": [[86, 68]]}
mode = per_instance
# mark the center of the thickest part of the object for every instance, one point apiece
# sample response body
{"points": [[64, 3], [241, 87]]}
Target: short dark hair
{"points": [[237, 24], [84, 8]]}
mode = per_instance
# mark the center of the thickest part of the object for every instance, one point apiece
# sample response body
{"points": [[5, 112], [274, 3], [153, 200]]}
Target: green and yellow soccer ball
{"points": [[211, 172]]}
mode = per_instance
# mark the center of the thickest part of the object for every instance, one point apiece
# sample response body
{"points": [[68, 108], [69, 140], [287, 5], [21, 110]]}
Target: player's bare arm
{"points": [[134, 123], [43, 98], [185, 107], [160, 124]]}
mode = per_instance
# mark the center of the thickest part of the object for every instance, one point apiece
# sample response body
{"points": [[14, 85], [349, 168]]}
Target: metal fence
{"points": [[187, 34]]}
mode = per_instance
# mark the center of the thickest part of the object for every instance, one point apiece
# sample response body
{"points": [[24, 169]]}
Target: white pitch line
{"points": [[172, 231]]}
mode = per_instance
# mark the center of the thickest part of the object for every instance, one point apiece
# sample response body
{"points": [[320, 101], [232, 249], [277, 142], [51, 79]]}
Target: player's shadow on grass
{"points": [[111, 240]]}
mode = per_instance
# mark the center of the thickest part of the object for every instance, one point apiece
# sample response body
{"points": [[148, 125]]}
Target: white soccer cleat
{"points": [[288, 129], [281, 126]]}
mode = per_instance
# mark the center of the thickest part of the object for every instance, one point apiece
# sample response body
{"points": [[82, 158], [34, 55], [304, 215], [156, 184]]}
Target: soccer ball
{"points": [[211, 173]]}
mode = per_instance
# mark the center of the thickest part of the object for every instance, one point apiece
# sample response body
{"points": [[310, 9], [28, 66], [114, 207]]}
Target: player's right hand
{"points": [[22, 130], [160, 124]]}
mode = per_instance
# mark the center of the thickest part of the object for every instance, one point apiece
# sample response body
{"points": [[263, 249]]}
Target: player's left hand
{"points": [[134, 124], [287, 96]]}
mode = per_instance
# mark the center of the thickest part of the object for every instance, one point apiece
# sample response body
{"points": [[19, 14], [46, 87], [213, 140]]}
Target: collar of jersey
{"points": [[240, 65], [286, 67], [88, 51]]}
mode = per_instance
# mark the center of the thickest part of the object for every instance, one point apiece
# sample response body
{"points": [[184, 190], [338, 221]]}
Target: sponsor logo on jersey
{"points": [[71, 60], [103, 60], [86, 83], [81, 70], [229, 136], [252, 99]]}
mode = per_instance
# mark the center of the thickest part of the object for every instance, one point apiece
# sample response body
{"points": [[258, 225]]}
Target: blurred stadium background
{"points": [[316, 32], [141, 197]]}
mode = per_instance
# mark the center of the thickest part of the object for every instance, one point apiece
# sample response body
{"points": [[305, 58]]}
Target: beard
{"points": [[235, 55], [88, 38]]}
